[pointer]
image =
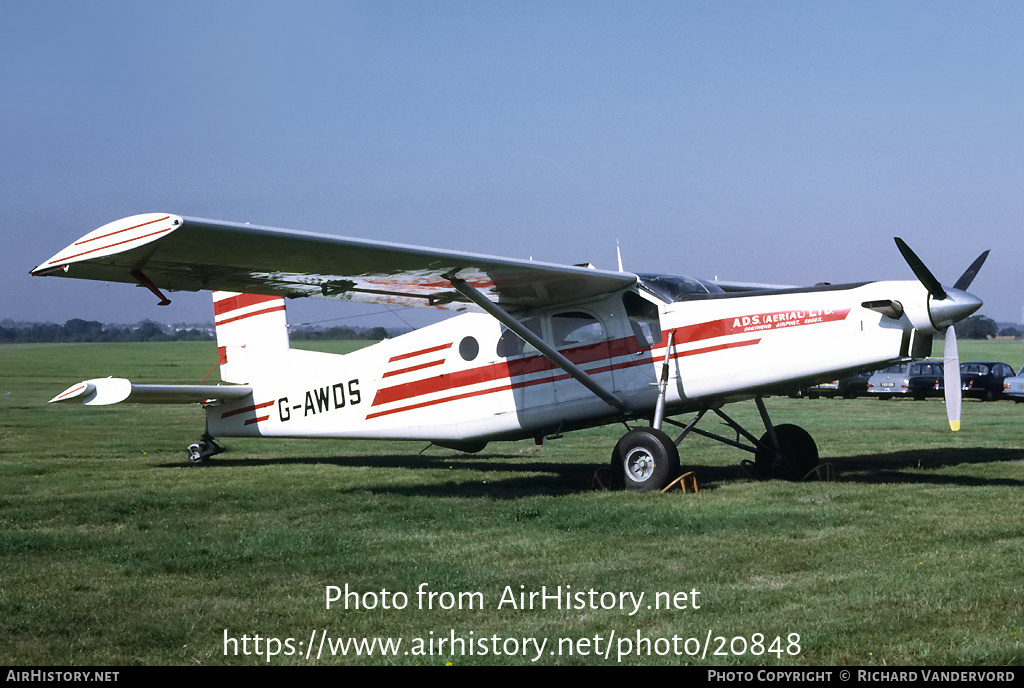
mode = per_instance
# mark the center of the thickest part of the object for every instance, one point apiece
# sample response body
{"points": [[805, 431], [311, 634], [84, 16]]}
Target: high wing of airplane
{"points": [[539, 350]]}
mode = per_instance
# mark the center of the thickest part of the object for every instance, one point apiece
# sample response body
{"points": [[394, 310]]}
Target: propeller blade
{"points": [[924, 275], [971, 272], [951, 378]]}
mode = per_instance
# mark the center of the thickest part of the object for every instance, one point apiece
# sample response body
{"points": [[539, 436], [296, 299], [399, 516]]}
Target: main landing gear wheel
{"points": [[645, 459], [200, 451], [796, 456]]}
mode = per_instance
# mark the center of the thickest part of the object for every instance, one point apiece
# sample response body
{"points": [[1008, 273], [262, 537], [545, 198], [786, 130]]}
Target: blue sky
{"points": [[780, 142]]}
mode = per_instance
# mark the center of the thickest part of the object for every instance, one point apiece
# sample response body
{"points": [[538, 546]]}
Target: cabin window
{"points": [[469, 348], [576, 327], [511, 344]]}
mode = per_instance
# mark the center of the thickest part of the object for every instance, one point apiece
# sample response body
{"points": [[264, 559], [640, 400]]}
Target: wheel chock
{"points": [[823, 472], [682, 482]]}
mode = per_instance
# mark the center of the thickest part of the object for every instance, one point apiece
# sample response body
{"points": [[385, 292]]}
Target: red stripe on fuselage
{"points": [[440, 383], [246, 409], [466, 395], [402, 357], [414, 368], [605, 351], [504, 370], [530, 383], [648, 360]]}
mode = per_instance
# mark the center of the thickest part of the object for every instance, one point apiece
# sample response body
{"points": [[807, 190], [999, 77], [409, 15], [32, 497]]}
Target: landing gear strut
{"points": [[648, 459], [783, 452], [204, 449]]}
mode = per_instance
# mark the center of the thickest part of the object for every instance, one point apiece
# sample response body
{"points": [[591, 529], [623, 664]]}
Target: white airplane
{"points": [[544, 348]]}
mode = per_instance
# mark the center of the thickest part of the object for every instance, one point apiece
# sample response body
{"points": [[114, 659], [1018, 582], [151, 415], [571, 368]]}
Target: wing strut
{"points": [[549, 352]]}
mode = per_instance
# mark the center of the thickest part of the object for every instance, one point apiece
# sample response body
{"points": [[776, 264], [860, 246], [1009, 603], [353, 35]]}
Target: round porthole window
{"points": [[469, 348]]}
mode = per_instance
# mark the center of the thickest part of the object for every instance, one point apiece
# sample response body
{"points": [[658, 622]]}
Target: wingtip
{"points": [[114, 237], [77, 392]]}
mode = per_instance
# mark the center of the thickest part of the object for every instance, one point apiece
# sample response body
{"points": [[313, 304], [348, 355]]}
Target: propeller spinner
{"points": [[946, 307]]}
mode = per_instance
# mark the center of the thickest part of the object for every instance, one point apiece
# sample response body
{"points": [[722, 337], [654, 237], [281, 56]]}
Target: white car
{"points": [[1013, 387], [917, 379]]}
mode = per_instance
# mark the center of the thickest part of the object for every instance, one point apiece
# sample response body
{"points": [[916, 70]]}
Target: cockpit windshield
{"points": [[674, 288]]}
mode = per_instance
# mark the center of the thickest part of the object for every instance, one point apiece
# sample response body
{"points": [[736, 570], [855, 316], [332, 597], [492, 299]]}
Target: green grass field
{"points": [[115, 551]]}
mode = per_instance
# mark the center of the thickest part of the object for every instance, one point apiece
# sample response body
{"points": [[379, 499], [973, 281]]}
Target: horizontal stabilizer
{"points": [[112, 390]]}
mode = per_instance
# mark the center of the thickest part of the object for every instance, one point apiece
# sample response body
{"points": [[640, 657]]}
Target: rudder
{"points": [[250, 329]]}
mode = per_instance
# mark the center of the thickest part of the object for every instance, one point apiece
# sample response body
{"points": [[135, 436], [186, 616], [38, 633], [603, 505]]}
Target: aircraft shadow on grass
{"points": [[919, 466], [509, 476]]}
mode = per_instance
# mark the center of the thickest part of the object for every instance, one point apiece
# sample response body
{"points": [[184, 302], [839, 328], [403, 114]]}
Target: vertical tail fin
{"points": [[251, 330]]}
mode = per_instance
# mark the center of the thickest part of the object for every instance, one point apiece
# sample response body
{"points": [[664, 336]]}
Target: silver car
{"points": [[917, 379], [1013, 387]]}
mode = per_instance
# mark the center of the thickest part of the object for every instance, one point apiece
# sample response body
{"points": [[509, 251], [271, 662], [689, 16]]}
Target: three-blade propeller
{"points": [[944, 309]]}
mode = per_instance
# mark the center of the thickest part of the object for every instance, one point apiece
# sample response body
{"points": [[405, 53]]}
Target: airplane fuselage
{"points": [[467, 380]]}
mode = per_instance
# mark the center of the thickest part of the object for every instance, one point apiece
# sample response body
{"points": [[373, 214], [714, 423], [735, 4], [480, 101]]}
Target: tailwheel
{"points": [[645, 459], [793, 458], [200, 451]]}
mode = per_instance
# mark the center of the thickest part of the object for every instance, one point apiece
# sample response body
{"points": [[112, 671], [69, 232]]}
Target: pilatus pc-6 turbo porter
{"points": [[542, 348]]}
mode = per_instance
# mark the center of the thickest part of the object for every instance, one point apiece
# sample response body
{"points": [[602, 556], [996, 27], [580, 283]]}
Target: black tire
{"points": [[203, 450], [797, 455], [645, 459]]}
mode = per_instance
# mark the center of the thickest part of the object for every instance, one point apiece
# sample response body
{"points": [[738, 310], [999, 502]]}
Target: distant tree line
{"points": [[981, 327], [312, 334], [77, 330]]}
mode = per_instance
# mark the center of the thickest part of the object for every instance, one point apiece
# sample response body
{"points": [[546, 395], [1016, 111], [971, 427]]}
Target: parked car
{"points": [[848, 387], [1013, 387], [917, 379], [983, 379]]}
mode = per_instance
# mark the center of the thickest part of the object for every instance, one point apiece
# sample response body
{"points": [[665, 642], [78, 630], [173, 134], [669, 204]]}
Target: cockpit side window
{"points": [[643, 319]]}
